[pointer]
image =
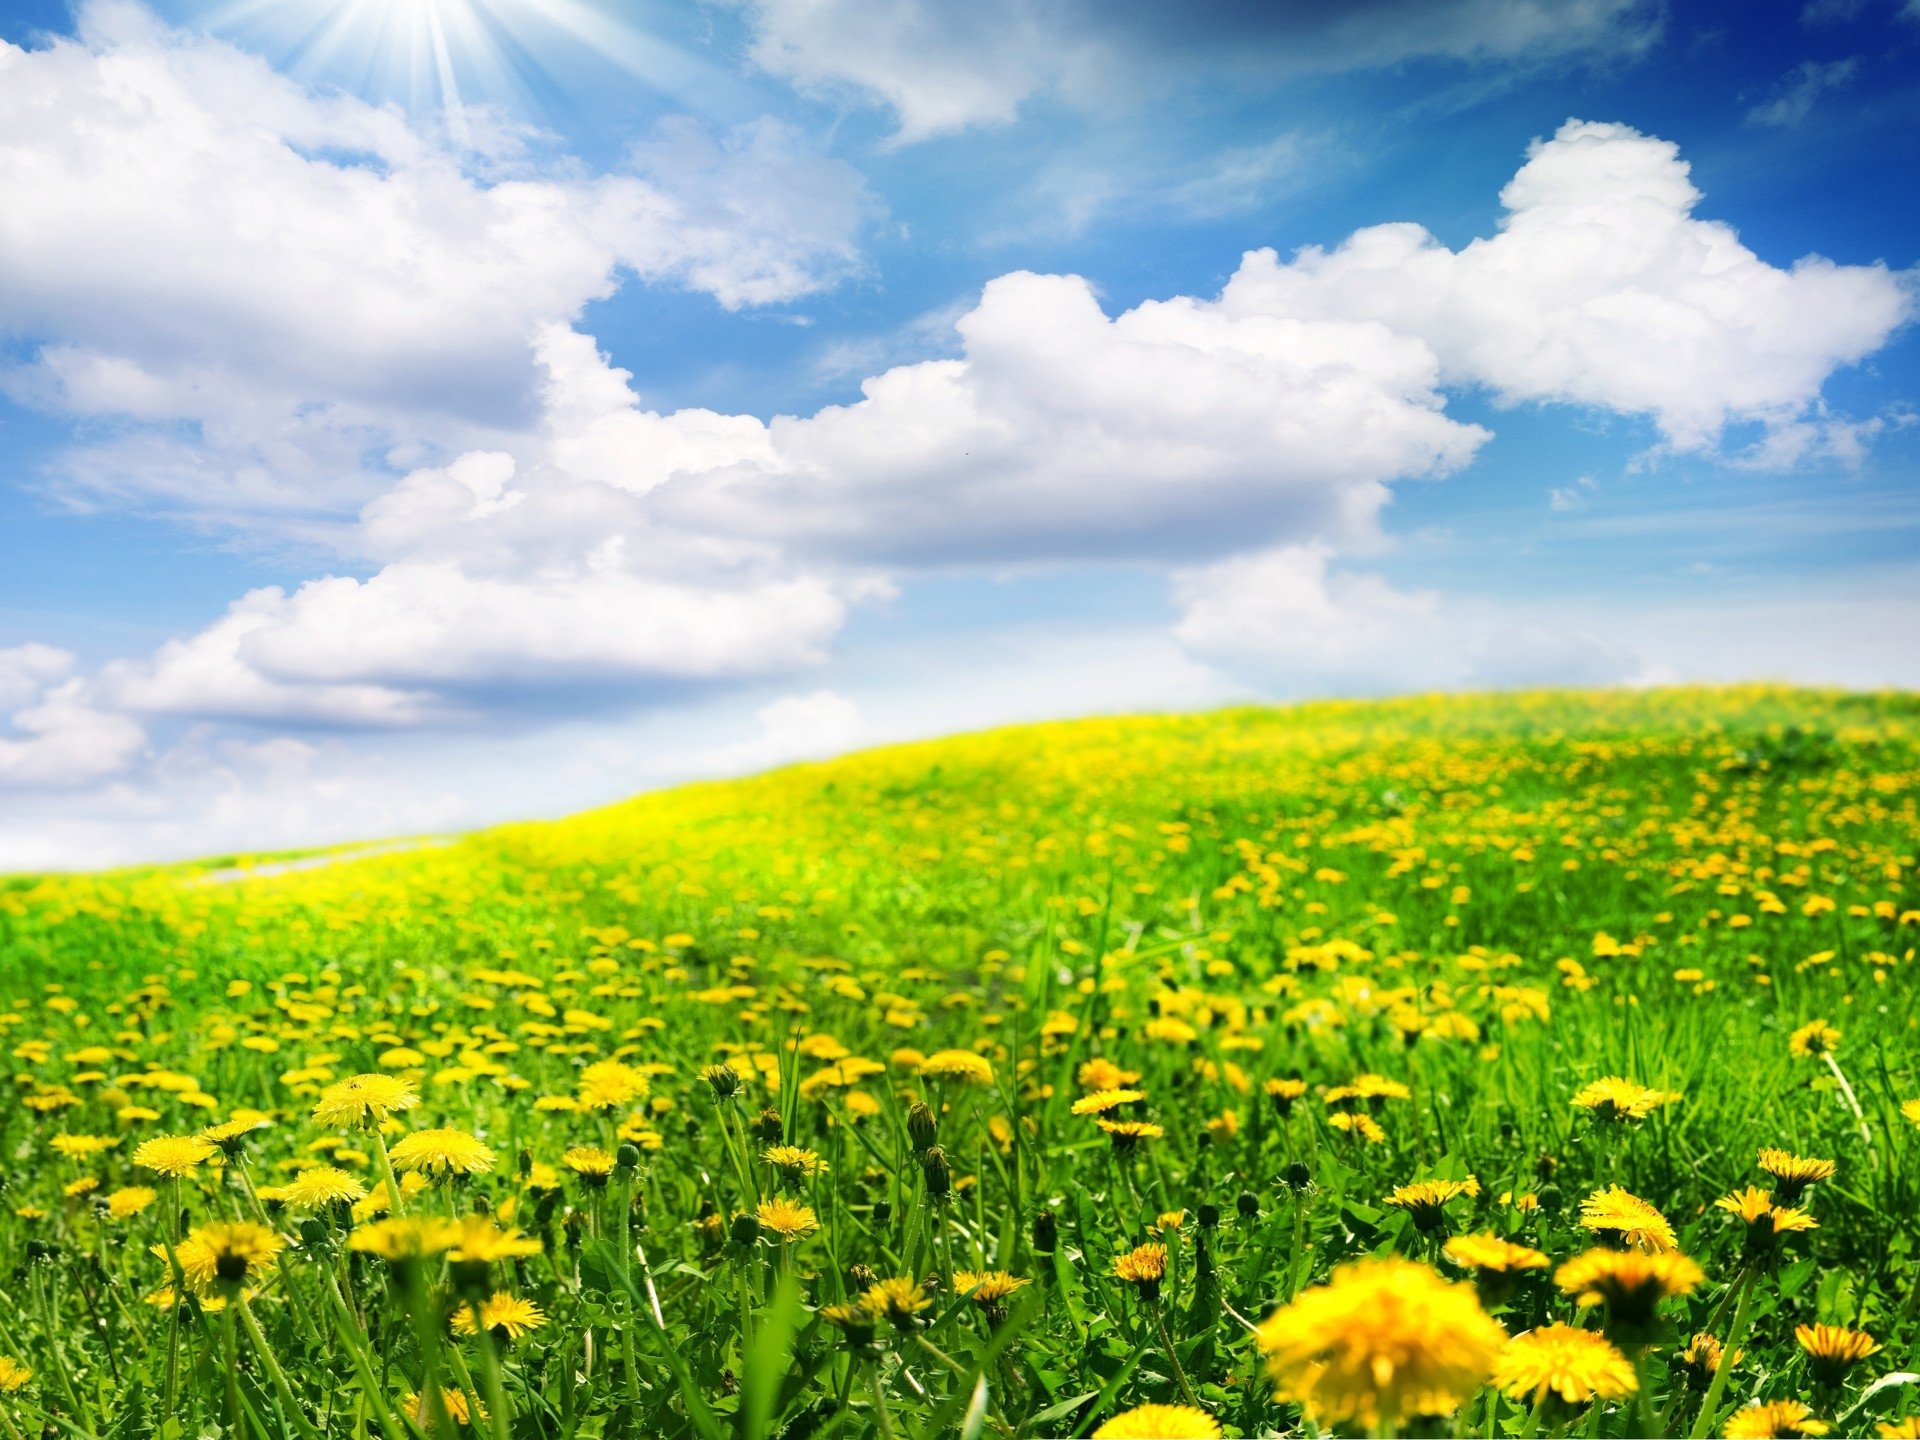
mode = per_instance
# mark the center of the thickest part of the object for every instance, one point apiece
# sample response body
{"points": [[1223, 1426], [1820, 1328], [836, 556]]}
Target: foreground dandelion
{"points": [[174, 1155], [1575, 1366], [788, 1221], [1775, 1420], [1792, 1174], [1626, 1219], [442, 1152], [1630, 1284], [14, 1376], [504, 1315], [1833, 1350], [1382, 1341], [362, 1100], [1143, 1267], [1618, 1099], [320, 1188], [1160, 1422], [227, 1256]]}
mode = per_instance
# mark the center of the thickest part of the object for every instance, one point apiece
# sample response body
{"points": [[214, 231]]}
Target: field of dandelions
{"points": [[1527, 1065]]}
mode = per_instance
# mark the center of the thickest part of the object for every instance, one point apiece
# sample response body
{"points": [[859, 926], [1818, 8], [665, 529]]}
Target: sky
{"points": [[416, 414]]}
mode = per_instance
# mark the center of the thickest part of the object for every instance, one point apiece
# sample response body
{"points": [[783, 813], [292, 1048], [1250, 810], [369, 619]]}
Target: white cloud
{"points": [[313, 275], [794, 727], [1173, 428], [1795, 96], [1602, 289], [62, 739], [26, 670], [942, 67], [1301, 625]]}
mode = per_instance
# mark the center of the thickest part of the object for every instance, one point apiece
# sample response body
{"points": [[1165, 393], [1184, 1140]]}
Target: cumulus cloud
{"points": [[60, 738], [1062, 432], [1602, 289], [316, 276], [941, 67], [1300, 623]]}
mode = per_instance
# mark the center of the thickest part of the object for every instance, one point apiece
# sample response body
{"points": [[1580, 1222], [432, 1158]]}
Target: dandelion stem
{"points": [[1735, 1333]]}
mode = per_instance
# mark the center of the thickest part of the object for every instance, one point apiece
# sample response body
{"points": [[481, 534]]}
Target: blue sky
{"points": [[401, 434]]}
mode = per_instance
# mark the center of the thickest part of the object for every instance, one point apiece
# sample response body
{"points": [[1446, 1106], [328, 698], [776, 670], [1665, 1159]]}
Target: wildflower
{"points": [[1765, 1221], [320, 1187], [477, 1240], [1775, 1420], [593, 1165], [1383, 1340], [232, 1134], [452, 1402], [723, 1080], [610, 1084], [989, 1289], [1365, 1126], [1911, 1109], [1127, 1134], [503, 1315], [442, 1152], [80, 1147], [1907, 1429], [1283, 1093], [855, 1321], [1143, 1267], [1102, 1074], [363, 1100], [404, 1238], [1426, 1200], [1792, 1174], [897, 1301], [1368, 1089], [1626, 1219], [174, 1155], [1490, 1252], [789, 1221], [1101, 1101], [1833, 1350], [1698, 1362], [1630, 1283], [124, 1204], [1813, 1039], [1575, 1365], [1160, 1422], [13, 1375], [227, 1255], [1617, 1099], [956, 1065], [792, 1163]]}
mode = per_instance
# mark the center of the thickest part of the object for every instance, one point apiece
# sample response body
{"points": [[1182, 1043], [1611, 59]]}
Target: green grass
{"points": [[1492, 901]]}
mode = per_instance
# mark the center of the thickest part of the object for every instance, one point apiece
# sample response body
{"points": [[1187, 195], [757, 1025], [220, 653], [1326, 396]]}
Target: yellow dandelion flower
{"points": [[1616, 1098], [1491, 1252], [1101, 1101], [362, 1100], [1426, 1200], [956, 1065], [1576, 1365], [1833, 1350], [1775, 1420], [321, 1186], [174, 1155], [1102, 1074], [79, 1147], [477, 1240], [1630, 1283], [453, 1404], [125, 1203], [1792, 1174], [503, 1315], [441, 1152], [593, 1165], [1626, 1219], [1813, 1039], [1126, 1134], [896, 1300], [1160, 1422], [790, 1222], [404, 1238], [226, 1254], [1383, 1340], [13, 1375], [1365, 1126], [1143, 1267]]}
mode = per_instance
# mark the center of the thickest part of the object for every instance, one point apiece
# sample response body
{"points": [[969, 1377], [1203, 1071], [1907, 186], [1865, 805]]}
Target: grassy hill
{"points": [[1330, 950]]}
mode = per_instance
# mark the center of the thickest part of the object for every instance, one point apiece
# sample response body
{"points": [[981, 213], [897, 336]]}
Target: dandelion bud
{"points": [[1298, 1176], [766, 1127], [746, 1230], [524, 1162], [864, 1277], [543, 1210], [1208, 1214], [939, 1177], [627, 1157], [1248, 1205], [1045, 1232], [882, 1212], [724, 1080], [923, 1129]]}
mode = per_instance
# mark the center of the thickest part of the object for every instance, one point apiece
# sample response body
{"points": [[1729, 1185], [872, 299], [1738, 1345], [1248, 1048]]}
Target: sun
{"points": [[453, 59]]}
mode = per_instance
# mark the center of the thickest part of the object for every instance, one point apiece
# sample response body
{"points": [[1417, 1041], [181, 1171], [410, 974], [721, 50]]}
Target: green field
{"points": [[1057, 1061]]}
